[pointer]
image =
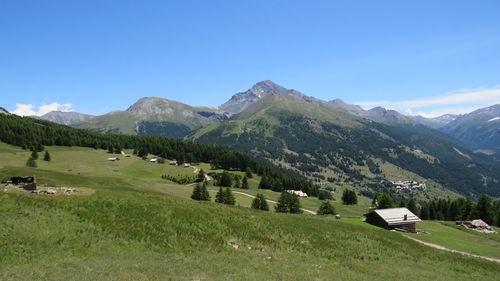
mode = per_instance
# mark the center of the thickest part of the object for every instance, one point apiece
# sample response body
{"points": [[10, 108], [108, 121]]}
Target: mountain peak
{"points": [[267, 87], [240, 101], [150, 105]]}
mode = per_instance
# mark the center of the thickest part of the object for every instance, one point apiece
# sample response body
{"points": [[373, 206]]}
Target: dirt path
{"points": [[435, 246], [271, 201]]}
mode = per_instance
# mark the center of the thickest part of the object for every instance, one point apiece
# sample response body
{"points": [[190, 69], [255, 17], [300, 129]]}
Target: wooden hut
{"points": [[27, 183], [394, 218]]}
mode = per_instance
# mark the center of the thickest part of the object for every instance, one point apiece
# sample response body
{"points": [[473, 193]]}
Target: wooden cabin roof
{"points": [[396, 216]]}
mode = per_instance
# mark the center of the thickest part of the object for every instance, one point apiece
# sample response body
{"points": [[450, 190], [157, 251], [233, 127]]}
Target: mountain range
{"points": [[328, 141], [65, 117]]}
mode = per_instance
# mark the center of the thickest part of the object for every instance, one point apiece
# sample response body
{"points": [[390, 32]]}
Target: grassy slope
{"points": [[458, 238], [129, 230]]}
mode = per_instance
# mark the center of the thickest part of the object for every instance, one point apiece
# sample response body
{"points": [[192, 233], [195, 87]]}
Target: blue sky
{"points": [[426, 57]]}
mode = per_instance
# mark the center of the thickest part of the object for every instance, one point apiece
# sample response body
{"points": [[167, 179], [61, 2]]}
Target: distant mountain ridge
{"points": [[479, 129], [436, 122], [3, 111], [65, 117], [155, 116], [333, 141]]}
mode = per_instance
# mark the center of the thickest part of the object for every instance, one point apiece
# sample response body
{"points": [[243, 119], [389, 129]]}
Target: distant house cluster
{"points": [[298, 193], [408, 185]]}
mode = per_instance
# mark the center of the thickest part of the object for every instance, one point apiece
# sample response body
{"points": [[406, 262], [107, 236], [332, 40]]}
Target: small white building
{"points": [[298, 193], [114, 159], [125, 154], [154, 160]]}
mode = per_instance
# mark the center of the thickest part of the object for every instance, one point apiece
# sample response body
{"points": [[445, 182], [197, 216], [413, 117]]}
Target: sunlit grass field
{"points": [[137, 226]]}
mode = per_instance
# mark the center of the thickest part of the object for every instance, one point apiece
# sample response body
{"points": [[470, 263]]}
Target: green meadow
{"points": [[134, 225]]}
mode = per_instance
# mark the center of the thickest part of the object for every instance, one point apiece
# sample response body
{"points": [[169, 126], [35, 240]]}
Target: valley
{"points": [[136, 225]]}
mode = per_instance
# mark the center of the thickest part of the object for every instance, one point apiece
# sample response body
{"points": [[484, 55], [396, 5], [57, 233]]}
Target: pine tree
{"points": [[326, 208], [385, 201], [200, 192], [294, 204], [205, 196], [34, 154], [483, 208], [264, 183], [31, 163], [46, 156], [424, 212], [403, 203], [110, 149], [412, 206], [282, 206], [244, 184], [248, 173], [229, 197], [260, 203], [237, 183], [219, 197], [201, 176], [288, 203], [453, 211], [196, 195], [349, 197], [225, 179]]}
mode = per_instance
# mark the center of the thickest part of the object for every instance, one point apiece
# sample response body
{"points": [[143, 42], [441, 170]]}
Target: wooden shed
{"points": [[27, 183], [394, 218]]}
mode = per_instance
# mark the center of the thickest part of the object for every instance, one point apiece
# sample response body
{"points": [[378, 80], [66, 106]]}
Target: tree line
{"points": [[445, 209], [29, 133]]}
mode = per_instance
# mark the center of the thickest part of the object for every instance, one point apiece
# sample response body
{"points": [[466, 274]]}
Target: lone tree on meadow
{"points": [[31, 163], [260, 203], [200, 192], [349, 197], [288, 203], [46, 156], [225, 196], [229, 197], [326, 208]]}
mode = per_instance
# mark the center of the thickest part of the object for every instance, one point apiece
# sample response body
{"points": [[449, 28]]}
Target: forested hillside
{"points": [[31, 133], [334, 146]]}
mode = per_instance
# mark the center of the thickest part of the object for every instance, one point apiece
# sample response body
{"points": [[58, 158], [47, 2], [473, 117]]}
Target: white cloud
{"points": [[29, 109], [457, 102]]}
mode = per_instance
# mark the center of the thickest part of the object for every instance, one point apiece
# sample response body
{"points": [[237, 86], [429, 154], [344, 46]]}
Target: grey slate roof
{"points": [[397, 216]]}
